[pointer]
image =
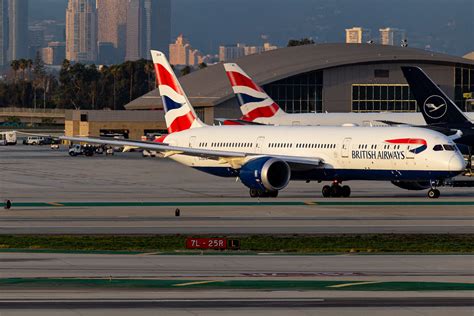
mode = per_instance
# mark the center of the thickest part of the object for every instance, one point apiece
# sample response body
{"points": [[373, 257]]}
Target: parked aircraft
{"points": [[258, 107], [267, 158]]}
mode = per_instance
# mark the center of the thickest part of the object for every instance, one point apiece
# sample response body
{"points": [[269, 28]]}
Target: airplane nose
{"points": [[457, 163]]}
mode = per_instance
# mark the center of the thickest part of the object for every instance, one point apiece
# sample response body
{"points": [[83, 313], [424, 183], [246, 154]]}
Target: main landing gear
{"points": [[336, 190], [263, 193]]}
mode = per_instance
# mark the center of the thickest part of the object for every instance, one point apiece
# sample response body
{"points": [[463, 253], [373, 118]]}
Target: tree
{"points": [[202, 65], [15, 64], [39, 77], [300, 42]]}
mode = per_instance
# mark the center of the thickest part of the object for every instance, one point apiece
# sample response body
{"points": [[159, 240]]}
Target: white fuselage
{"points": [[361, 119], [348, 153]]}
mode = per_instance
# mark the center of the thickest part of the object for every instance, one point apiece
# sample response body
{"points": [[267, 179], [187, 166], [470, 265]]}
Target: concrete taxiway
{"points": [[130, 194]]}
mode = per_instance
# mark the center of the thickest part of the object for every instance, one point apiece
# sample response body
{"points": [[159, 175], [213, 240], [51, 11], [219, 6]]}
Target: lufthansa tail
{"points": [[254, 102], [437, 108], [179, 113]]}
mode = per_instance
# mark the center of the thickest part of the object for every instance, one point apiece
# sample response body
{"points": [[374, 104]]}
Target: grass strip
{"points": [[234, 284], [367, 243]]}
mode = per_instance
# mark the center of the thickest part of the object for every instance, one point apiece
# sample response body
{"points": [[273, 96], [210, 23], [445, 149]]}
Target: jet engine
{"points": [[267, 174], [412, 185]]}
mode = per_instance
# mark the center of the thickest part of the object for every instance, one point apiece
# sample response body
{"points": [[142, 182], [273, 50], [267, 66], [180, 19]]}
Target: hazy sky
{"points": [[445, 25]]}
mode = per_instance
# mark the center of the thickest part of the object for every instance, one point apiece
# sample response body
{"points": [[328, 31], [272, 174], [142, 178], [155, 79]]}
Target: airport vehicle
{"points": [[267, 158], [34, 140], [8, 138], [258, 107], [77, 149]]}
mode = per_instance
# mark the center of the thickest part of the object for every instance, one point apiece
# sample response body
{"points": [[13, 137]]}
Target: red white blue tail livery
{"points": [[179, 114], [254, 102]]}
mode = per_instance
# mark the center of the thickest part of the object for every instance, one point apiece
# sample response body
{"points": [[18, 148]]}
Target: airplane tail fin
{"points": [[179, 113], [434, 104], [254, 102]]}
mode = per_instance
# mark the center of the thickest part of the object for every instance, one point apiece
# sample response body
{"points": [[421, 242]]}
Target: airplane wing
{"points": [[236, 159], [391, 123], [236, 122]]}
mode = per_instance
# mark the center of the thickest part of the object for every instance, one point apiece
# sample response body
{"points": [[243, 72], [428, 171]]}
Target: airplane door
{"points": [[259, 144], [296, 123], [192, 142], [346, 144]]}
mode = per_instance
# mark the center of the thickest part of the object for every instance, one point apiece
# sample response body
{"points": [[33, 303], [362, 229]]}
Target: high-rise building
{"points": [[157, 25], [54, 54], [81, 31], [182, 53], [392, 36], [3, 32], [148, 27], [18, 29], [112, 26], [229, 52], [135, 37], [357, 35]]}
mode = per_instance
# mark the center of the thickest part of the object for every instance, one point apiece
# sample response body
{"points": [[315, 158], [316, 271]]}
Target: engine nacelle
{"points": [[268, 174], [412, 185]]}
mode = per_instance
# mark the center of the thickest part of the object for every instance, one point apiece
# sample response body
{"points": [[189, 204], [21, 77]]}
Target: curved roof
{"points": [[210, 86]]}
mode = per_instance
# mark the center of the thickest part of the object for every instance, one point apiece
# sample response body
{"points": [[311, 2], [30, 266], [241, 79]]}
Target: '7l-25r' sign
{"points": [[206, 243]]}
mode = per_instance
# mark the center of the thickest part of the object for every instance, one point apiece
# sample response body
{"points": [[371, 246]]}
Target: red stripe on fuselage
{"points": [[237, 79], [266, 111], [160, 139], [407, 141], [165, 78], [181, 123]]}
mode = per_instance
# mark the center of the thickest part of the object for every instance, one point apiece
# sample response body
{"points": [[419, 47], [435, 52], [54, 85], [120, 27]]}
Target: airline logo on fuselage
{"points": [[416, 146], [435, 107]]}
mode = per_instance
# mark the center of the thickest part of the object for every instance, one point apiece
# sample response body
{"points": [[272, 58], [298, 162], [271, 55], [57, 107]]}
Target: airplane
{"points": [[438, 110], [259, 108], [266, 158]]}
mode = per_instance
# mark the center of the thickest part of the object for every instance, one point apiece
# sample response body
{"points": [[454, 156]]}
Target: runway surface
{"points": [[447, 268]]}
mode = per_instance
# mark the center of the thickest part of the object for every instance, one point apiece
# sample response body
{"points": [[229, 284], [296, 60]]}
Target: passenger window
{"points": [[438, 148]]}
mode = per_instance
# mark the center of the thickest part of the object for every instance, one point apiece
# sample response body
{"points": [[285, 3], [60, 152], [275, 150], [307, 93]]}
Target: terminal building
{"points": [[326, 78]]}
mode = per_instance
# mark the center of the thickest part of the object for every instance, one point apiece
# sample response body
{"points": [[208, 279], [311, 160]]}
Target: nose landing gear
{"points": [[434, 193], [336, 190]]}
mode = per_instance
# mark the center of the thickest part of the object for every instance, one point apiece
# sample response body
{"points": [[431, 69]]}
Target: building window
{"points": [[381, 73], [298, 94], [84, 118], [463, 86], [382, 97]]}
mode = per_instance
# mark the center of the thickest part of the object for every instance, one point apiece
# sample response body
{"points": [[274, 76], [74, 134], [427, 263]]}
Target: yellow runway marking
{"points": [[352, 284], [195, 283], [55, 204]]}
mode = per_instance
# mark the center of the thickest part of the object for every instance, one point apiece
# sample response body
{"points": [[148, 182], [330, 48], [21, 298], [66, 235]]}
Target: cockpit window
{"points": [[438, 148], [449, 147]]}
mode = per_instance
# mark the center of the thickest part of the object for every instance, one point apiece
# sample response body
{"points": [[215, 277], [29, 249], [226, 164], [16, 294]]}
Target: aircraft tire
{"points": [[434, 193], [326, 191], [254, 193], [346, 191], [336, 191]]}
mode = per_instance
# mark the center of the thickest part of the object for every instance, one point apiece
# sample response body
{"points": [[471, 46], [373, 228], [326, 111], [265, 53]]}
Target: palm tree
{"points": [[23, 65], [149, 69], [29, 66], [15, 64], [114, 70]]}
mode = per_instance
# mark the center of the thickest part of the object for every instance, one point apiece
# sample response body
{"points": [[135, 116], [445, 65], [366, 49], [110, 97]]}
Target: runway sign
{"points": [[206, 243]]}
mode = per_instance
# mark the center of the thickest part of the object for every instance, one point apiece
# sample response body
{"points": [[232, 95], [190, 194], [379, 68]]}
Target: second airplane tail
{"points": [[433, 103], [179, 113], [254, 102]]}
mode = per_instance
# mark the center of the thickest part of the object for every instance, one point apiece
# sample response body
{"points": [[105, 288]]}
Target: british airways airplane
{"points": [[267, 158], [258, 107]]}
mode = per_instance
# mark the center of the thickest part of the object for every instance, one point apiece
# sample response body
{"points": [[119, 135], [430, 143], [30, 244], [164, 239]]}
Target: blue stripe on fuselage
{"points": [[346, 174]]}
